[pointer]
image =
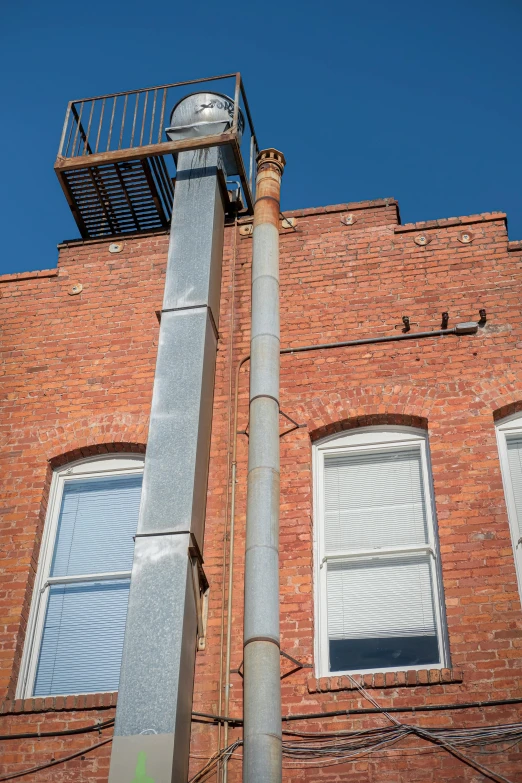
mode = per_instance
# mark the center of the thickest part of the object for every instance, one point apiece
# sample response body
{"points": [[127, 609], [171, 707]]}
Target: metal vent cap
{"points": [[203, 114], [206, 114]]}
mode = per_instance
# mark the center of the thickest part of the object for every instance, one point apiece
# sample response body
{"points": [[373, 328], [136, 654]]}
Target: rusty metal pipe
{"points": [[262, 761]]}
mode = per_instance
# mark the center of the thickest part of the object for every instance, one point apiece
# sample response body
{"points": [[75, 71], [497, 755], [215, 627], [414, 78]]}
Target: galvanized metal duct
{"points": [[152, 730], [262, 689]]}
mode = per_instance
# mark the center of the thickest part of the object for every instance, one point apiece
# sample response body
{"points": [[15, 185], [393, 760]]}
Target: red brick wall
{"points": [[77, 375]]}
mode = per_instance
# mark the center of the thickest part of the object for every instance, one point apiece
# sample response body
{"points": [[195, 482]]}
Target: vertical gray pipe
{"points": [[153, 718], [262, 761]]}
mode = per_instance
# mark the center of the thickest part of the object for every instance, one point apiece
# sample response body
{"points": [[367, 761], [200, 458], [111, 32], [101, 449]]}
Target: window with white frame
{"points": [[77, 620], [509, 438], [378, 587]]}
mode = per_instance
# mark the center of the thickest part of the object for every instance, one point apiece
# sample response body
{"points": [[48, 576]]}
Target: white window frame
{"points": [[90, 467], [360, 440], [511, 425]]}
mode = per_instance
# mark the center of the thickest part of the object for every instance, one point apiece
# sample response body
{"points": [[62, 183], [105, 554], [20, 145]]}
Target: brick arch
{"points": [[405, 404], [94, 450], [98, 434], [499, 396], [507, 410], [369, 420]]}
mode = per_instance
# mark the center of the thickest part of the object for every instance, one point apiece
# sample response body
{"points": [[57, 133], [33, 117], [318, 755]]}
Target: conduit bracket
{"points": [[201, 591], [292, 421], [287, 223], [285, 432], [298, 665]]}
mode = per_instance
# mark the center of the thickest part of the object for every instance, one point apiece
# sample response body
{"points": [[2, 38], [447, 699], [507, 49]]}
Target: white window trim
{"points": [[362, 439], [511, 425], [98, 466]]}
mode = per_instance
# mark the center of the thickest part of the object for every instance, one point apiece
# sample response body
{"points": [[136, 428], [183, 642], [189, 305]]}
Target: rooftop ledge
{"points": [[28, 275], [466, 220]]}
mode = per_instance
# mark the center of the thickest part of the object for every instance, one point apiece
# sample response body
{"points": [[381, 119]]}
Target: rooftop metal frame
{"points": [[112, 162]]}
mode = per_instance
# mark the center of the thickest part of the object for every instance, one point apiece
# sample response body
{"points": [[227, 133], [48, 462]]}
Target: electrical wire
{"points": [[224, 754], [466, 705], [62, 733], [54, 762], [435, 738], [322, 749]]}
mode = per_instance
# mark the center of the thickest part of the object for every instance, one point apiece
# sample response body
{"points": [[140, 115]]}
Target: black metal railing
{"points": [[137, 119]]}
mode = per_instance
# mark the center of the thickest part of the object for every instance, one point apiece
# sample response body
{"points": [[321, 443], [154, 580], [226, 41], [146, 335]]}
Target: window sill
{"points": [[82, 701], [407, 679]]}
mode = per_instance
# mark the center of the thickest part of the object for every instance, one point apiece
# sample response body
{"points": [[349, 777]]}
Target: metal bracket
{"points": [[296, 426], [287, 223], [282, 434], [201, 591], [297, 667]]}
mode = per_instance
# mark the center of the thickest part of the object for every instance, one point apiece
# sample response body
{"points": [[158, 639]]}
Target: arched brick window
{"points": [[77, 618], [378, 587]]}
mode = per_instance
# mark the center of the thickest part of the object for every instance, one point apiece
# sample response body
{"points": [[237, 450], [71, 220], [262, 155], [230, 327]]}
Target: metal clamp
{"points": [[298, 665], [201, 591]]}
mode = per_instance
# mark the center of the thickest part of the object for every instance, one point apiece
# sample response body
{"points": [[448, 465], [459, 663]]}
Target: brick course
{"points": [[77, 379]]}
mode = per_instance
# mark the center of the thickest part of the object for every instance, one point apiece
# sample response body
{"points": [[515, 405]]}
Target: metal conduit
{"points": [[262, 739], [470, 327]]}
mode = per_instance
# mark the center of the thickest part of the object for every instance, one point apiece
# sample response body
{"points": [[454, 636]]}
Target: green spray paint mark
{"points": [[141, 774]]}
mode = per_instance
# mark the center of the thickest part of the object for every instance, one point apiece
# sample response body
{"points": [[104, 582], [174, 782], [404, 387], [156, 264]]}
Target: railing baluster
{"points": [[78, 119], [144, 117], [123, 120], [153, 115], [134, 119], [167, 176], [86, 142], [236, 105], [162, 115], [71, 125], [251, 167], [64, 129], [112, 120], [100, 125]]}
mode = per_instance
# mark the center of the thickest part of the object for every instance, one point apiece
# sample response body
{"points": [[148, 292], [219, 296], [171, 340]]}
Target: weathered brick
{"points": [[78, 380]]}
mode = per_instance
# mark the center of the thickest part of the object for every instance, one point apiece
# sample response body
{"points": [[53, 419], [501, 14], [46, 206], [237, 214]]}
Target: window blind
{"points": [[386, 596], [84, 624], [98, 519], [380, 608], [83, 638], [374, 499], [514, 452]]}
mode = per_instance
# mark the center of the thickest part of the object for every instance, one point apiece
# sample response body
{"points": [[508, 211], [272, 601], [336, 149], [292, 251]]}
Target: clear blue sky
{"points": [[420, 101]]}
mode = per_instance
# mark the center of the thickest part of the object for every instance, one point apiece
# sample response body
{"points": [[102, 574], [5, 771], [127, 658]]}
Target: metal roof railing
{"points": [[102, 133]]}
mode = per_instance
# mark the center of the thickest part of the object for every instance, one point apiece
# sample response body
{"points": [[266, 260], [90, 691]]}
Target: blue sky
{"points": [[419, 101]]}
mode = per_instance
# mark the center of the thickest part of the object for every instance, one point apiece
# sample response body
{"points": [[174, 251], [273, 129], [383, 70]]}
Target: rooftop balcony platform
{"points": [[117, 168]]}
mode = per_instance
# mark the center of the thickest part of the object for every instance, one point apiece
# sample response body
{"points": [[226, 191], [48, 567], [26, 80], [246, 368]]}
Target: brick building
{"points": [[79, 350]]}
